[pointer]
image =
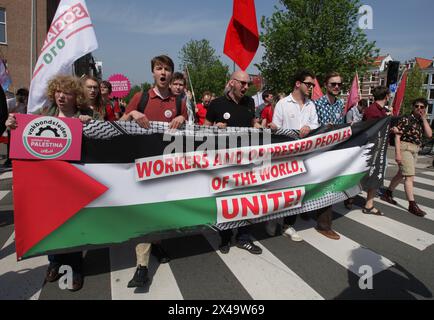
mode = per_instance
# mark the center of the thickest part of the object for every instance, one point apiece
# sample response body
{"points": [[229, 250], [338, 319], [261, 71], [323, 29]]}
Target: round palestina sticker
{"points": [[47, 137]]}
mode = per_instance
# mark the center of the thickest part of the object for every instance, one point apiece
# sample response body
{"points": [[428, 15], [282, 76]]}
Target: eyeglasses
{"points": [[420, 106], [243, 83], [309, 84], [336, 84]]}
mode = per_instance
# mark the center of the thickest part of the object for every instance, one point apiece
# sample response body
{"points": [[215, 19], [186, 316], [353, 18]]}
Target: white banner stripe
{"points": [[21, 280], [344, 251], [117, 176], [123, 266], [276, 280], [407, 234]]}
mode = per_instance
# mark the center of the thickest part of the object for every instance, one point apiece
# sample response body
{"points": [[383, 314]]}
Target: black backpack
{"points": [[144, 101]]}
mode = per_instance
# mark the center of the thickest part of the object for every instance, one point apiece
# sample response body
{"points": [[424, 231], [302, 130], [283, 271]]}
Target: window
{"points": [[372, 77], [2, 25], [430, 108], [432, 79], [431, 94], [382, 82], [426, 79]]}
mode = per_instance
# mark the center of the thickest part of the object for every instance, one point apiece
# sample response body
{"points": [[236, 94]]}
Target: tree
{"points": [[207, 72], [413, 90], [143, 87], [319, 35]]}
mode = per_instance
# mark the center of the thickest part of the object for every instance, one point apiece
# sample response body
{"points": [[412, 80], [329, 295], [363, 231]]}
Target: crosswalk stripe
{"points": [[409, 235], [428, 173], [341, 251], [264, 276], [6, 175], [428, 182], [20, 280], [417, 191], [3, 194], [404, 203], [123, 266]]}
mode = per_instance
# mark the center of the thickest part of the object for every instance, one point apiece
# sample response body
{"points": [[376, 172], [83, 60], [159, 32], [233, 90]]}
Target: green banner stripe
{"points": [[98, 226]]}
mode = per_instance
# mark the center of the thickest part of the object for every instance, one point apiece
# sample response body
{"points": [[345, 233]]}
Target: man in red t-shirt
{"points": [[267, 112], [161, 106], [201, 108], [112, 109], [377, 110]]}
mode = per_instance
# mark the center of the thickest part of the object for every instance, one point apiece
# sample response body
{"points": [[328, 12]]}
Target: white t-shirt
{"points": [[289, 115]]}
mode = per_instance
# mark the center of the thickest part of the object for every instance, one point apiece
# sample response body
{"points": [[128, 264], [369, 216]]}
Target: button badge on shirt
{"points": [[168, 114], [227, 116]]}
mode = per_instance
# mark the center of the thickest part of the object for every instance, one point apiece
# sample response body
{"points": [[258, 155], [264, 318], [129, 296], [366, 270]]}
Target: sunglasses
{"points": [[309, 84], [420, 106], [243, 83], [335, 84]]}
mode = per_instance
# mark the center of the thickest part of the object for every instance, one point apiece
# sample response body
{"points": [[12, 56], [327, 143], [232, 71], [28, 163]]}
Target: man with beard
{"points": [[407, 145], [330, 112], [234, 109], [295, 112], [157, 104]]}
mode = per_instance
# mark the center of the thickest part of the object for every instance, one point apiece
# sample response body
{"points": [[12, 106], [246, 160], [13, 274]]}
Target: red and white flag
{"points": [[399, 97], [353, 95], [71, 36], [317, 92], [242, 37]]}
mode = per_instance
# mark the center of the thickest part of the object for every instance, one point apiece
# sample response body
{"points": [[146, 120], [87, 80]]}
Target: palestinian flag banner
{"points": [[158, 183]]}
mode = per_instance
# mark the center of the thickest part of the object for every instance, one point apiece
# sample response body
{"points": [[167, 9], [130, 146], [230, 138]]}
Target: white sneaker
{"points": [[270, 227], [291, 233]]}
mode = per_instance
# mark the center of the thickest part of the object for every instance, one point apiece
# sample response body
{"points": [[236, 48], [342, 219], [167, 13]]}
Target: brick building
{"points": [[23, 28]]}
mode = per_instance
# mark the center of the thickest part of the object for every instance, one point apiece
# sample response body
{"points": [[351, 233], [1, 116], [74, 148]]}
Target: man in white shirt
{"points": [[296, 112]]}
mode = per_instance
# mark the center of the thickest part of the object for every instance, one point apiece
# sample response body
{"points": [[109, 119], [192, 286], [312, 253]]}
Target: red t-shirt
{"points": [[110, 109], [158, 109], [201, 114], [374, 111], [267, 113]]}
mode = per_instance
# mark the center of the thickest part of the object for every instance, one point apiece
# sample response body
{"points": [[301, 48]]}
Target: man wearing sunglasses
{"points": [[234, 109], [407, 145], [330, 112]]}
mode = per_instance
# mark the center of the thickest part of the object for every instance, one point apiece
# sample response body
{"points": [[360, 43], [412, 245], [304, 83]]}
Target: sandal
{"points": [[370, 211]]}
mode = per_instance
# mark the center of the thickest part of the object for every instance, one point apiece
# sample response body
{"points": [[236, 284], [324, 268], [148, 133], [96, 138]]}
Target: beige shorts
{"points": [[409, 158]]}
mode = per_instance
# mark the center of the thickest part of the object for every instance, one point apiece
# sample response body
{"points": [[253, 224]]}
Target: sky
{"points": [[131, 32]]}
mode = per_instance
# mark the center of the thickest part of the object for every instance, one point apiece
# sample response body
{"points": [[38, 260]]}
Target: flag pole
{"points": [[191, 85], [398, 85]]}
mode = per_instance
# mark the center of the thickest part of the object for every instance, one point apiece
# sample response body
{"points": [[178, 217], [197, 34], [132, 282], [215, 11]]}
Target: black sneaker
{"points": [[249, 246], [225, 247], [161, 255], [140, 278]]}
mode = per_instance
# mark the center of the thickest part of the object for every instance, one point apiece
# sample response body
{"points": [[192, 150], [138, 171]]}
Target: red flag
{"points": [[353, 95], [46, 195], [242, 37], [317, 92], [399, 97]]}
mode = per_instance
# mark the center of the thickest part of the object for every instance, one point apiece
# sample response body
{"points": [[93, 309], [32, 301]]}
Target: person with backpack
{"points": [[112, 109], [156, 104]]}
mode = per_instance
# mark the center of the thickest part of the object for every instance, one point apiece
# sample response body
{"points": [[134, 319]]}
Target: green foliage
{"points": [[144, 86], [207, 72], [413, 90], [319, 35]]}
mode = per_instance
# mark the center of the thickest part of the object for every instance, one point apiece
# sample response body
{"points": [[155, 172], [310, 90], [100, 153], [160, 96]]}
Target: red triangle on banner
{"points": [[46, 195]]}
